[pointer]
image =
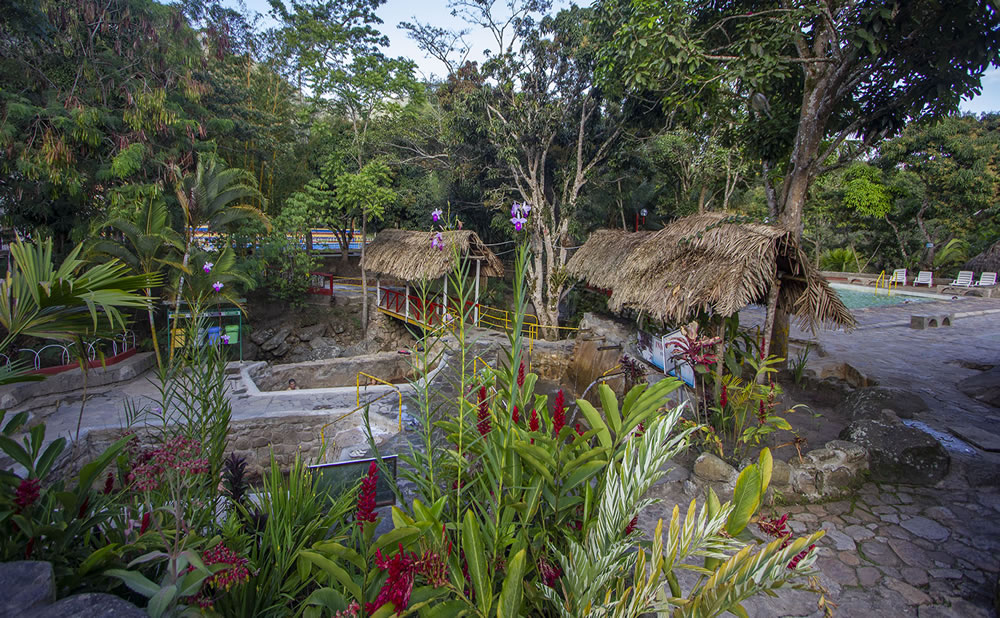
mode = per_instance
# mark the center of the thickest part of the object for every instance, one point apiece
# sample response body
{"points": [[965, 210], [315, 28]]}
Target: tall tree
{"points": [[861, 67]]}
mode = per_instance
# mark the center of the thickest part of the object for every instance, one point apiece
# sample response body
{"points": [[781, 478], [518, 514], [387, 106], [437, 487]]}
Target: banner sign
{"points": [[663, 352]]}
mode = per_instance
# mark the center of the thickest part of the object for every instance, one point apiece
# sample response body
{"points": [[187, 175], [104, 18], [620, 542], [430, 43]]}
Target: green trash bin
{"points": [[233, 332]]}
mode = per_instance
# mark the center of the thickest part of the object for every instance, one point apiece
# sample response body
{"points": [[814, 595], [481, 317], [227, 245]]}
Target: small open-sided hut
{"points": [[407, 256], [987, 261], [711, 262]]}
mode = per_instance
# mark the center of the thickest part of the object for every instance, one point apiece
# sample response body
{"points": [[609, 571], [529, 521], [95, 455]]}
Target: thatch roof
{"points": [[408, 255], [987, 261], [712, 262]]}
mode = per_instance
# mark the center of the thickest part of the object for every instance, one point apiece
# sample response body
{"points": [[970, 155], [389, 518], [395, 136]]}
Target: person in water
{"points": [[292, 386]]}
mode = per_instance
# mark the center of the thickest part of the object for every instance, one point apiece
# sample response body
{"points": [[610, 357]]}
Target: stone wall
{"points": [[317, 436], [390, 366]]}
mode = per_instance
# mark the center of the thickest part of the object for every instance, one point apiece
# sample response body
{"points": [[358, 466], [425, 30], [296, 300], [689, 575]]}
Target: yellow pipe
{"points": [[357, 386]]}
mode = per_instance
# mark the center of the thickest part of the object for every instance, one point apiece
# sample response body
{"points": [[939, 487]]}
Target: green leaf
{"points": [[475, 552], [583, 473], [160, 601], [779, 422], [609, 401], [327, 598], [344, 553], [631, 398], [335, 572], [96, 558], [510, 593], [49, 456], [596, 423], [765, 463], [746, 499], [135, 581], [394, 537]]}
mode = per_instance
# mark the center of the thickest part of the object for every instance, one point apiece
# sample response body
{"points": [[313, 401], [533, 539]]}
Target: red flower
{"points": [[399, 583], [484, 413], [639, 430], [520, 375], [549, 573], [776, 528], [631, 525], [366, 497], [515, 416], [180, 455], [109, 484], [761, 414], [559, 415], [27, 493], [533, 422], [235, 573], [578, 428], [724, 399], [794, 562], [145, 523]]}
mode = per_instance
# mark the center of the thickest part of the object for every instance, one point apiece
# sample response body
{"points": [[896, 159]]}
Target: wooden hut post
{"points": [[475, 319], [772, 308]]}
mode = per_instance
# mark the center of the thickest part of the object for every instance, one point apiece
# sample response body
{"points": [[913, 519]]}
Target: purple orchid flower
{"points": [[436, 214], [438, 242], [217, 286], [225, 340], [208, 267]]}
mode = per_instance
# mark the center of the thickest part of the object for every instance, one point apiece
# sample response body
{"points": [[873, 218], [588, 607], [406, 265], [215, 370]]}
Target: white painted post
{"points": [[445, 307], [406, 301], [378, 292], [475, 319]]}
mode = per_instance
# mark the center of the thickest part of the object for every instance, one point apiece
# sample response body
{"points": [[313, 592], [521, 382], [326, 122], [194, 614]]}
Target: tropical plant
{"points": [[218, 197], [842, 259], [147, 244], [954, 253]]}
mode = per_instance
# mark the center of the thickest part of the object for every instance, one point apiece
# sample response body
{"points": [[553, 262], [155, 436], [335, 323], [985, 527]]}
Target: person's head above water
{"points": [[291, 384]]}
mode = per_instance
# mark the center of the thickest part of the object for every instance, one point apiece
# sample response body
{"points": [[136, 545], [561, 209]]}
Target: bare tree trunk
{"points": [[701, 199], [770, 193], [931, 247], [364, 280], [770, 320], [899, 239]]}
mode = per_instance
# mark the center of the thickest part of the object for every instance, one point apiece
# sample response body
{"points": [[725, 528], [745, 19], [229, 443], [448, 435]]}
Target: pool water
{"points": [[856, 299]]}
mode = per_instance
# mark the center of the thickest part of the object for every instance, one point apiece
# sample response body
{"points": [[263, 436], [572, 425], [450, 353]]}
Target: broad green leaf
{"points": [[609, 401], [160, 601], [631, 397], [596, 423], [394, 537], [510, 593], [96, 558], [335, 572], [137, 582], [338, 550], [765, 463], [583, 473], [746, 498], [475, 553]]}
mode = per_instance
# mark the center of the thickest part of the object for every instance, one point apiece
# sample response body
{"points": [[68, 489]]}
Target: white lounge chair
{"points": [[987, 279], [965, 278], [924, 277], [898, 276]]}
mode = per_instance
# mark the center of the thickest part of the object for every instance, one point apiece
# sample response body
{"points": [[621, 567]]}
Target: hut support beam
{"points": [[772, 309], [406, 301], [378, 292]]}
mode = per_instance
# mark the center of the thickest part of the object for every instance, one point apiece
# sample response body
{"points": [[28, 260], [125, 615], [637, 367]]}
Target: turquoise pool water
{"points": [[857, 299]]}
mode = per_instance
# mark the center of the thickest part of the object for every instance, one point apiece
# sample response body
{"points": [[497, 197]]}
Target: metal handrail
{"points": [[357, 386], [322, 430]]}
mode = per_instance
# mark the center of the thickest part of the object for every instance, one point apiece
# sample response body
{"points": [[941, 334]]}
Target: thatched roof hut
{"points": [[987, 261], [712, 262], [408, 256]]}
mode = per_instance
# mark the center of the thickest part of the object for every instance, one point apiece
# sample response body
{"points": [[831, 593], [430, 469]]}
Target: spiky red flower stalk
{"points": [[559, 414], [776, 528], [27, 493], [399, 582], [724, 399], [761, 414], [550, 573], [515, 416], [631, 525], [520, 375], [144, 525], [578, 428], [533, 422], [794, 562], [484, 413], [366, 497]]}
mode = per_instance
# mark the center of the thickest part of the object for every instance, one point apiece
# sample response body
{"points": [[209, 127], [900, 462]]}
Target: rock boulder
{"points": [[898, 453], [869, 403]]}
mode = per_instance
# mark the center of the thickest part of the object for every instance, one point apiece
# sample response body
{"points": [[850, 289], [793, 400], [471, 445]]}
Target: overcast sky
{"points": [[436, 12]]}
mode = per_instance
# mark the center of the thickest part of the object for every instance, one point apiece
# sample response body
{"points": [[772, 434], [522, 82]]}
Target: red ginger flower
{"points": [[776, 528], [366, 497], [144, 525], [631, 525], [27, 493], [399, 582], [234, 574], [724, 399], [484, 413], [794, 562], [550, 573], [559, 415], [520, 375], [179, 454], [515, 416], [761, 413], [578, 428]]}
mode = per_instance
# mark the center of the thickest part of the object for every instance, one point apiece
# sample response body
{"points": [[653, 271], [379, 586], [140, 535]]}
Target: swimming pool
{"points": [[856, 297]]}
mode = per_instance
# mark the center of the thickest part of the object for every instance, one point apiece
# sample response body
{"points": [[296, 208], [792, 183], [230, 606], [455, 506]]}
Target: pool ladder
{"points": [[888, 282]]}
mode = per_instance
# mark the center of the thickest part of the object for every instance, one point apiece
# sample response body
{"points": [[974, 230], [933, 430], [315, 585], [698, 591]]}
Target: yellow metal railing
{"points": [[322, 430], [357, 386]]}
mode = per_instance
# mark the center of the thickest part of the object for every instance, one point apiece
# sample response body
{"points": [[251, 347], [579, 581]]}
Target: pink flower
{"points": [[179, 455], [207, 267], [549, 573], [27, 493], [519, 215], [366, 497], [438, 242], [436, 214], [484, 413], [559, 415], [217, 286], [399, 582], [234, 574], [225, 340], [776, 528]]}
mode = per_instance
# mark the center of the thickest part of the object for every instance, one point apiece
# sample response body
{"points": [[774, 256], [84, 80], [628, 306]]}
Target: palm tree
{"points": [[148, 245], [216, 196], [66, 303]]}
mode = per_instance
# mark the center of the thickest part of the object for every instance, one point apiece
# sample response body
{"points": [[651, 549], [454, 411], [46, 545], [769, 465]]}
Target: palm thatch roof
{"points": [[711, 262], [987, 261], [407, 255]]}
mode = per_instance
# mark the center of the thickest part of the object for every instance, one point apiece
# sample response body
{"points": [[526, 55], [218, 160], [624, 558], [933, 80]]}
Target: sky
{"points": [[436, 12]]}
